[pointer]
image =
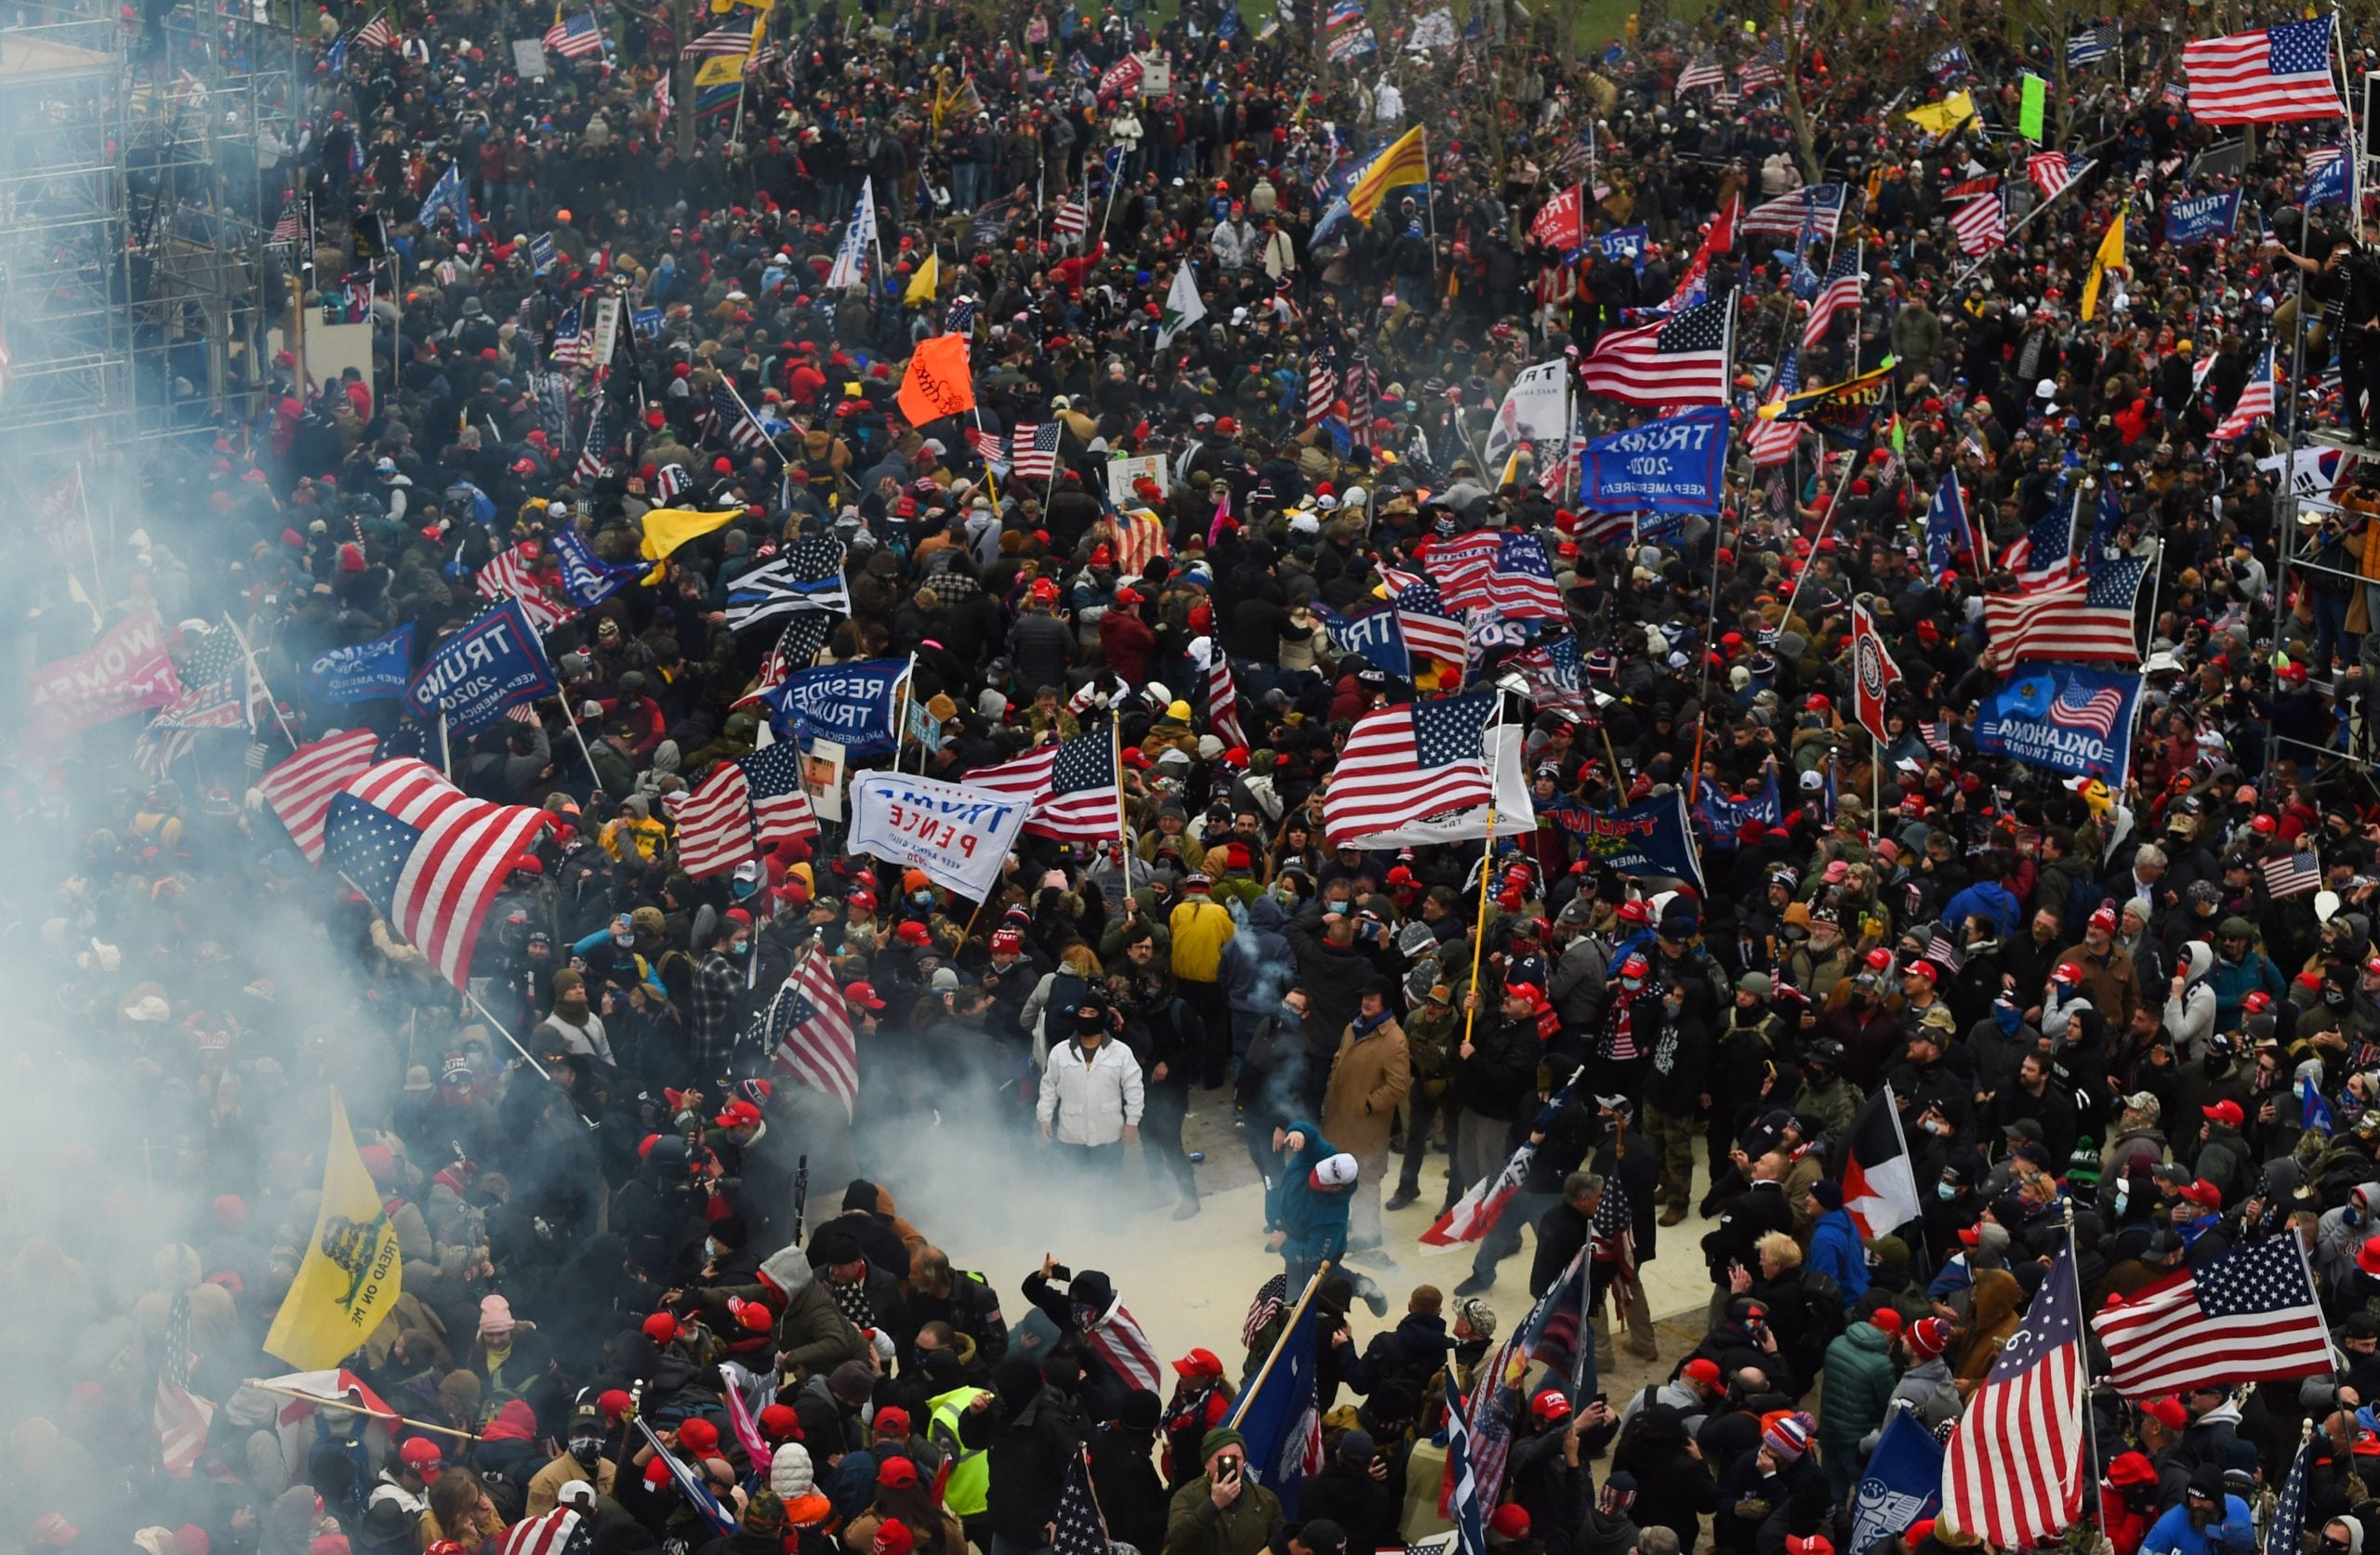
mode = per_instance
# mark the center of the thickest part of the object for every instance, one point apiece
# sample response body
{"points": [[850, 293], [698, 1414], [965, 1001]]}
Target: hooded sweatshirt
{"points": [[2189, 1015]]}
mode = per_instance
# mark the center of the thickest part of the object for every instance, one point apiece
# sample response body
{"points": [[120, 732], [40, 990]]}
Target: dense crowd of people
{"points": [[2112, 1016]]}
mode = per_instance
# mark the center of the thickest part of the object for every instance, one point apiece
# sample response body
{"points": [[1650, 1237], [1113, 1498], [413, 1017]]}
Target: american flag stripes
{"points": [[1072, 786], [1503, 570], [1359, 386], [1772, 442], [719, 41], [2250, 1315], [1222, 702], [807, 1031], [513, 574], [302, 788], [2269, 75], [990, 447], [182, 1416], [1980, 222], [597, 450], [375, 34], [1405, 763], [1140, 539], [1321, 388], [574, 346], [1612, 1227], [775, 664], [1678, 360], [2293, 874], [2285, 1534], [560, 1532], [2257, 401], [735, 421], [289, 227], [428, 855], [1120, 1342], [2047, 549], [1763, 69], [1840, 291], [1703, 73], [1270, 1299], [576, 38], [2013, 1473], [743, 809], [1427, 626], [669, 483], [1935, 735], [2052, 171], [217, 691], [2096, 711], [1033, 450], [2084, 618], [1071, 219], [1817, 207]]}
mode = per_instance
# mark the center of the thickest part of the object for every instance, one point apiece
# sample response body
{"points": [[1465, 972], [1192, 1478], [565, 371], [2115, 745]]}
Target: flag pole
{"points": [[526, 1056], [445, 751], [356, 1408], [567, 713], [908, 694], [1288, 1327], [1487, 875], [248, 656], [1115, 757]]}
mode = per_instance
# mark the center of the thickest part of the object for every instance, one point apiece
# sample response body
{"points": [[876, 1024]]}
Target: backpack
{"points": [[1821, 1302]]}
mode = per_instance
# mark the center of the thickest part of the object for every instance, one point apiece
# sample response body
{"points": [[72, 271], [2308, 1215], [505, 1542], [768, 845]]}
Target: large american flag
{"points": [[2250, 1315], [2084, 618], [807, 1031], [2047, 550], [1980, 222], [1771, 443], [576, 38], [2014, 1472], [1841, 290], [1428, 625], [1402, 764], [1817, 207], [428, 855], [743, 809], [1503, 570], [1678, 360], [1705, 72], [302, 788], [2257, 401], [2265, 76], [513, 574], [2052, 171], [1072, 786], [573, 343], [1071, 219], [182, 1416], [376, 33], [1033, 450]]}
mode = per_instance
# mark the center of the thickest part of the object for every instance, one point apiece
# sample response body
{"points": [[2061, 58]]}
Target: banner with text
{"points": [[956, 834], [2066, 717]]}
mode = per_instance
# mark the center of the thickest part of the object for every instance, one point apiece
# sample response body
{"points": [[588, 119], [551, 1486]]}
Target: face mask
{"points": [[744, 888], [711, 1247], [1945, 1192], [740, 947], [2123, 1196], [921, 898], [2008, 1020], [624, 940], [586, 1449]]}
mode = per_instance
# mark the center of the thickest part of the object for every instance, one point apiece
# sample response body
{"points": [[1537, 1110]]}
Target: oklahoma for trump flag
{"points": [[352, 1274], [1879, 1188]]}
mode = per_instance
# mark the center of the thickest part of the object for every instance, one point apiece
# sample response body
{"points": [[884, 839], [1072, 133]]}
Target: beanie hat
{"points": [[789, 1472], [1829, 1193], [1928, 1337], [1216, 1441], [1787, 1436], [764, 1513]]}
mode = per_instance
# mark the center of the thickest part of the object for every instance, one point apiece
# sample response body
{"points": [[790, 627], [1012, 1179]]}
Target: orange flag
{"points": [[937, 383]]}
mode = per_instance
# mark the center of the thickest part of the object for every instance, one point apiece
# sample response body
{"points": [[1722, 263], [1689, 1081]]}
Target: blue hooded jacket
{"points": [[1315, 1221]]}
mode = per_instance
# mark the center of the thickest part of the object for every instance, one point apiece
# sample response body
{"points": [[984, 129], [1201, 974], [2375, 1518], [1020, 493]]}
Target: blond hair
{"points": [[1779, 1248]]}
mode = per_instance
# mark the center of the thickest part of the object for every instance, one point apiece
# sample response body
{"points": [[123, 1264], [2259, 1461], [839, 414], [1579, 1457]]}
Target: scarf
{"points": [[1620, 1029], [852, 1301], [1367, 1024]]}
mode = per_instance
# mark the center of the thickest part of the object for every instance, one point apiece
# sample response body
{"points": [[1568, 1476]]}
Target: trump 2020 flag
{"points": [[1669, 466], [1879, 1186], [363, 671], [1901, 1483], [477, 675], [1280, 1413], [2197, 218], [1649, 838], [586, 578], [351, 1277]]}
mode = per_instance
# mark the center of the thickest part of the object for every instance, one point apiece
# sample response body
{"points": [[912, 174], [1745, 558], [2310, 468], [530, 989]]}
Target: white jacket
{"points": [[1091, 1098]]}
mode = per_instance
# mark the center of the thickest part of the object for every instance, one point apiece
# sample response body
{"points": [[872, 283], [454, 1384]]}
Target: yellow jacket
{"points": [[1200, 927]]}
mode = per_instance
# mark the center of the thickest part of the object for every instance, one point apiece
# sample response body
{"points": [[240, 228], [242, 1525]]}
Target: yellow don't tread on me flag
{"points": [[1941, 118], [352, 1274], [721, 70], [923, 284], [2109, 257]]}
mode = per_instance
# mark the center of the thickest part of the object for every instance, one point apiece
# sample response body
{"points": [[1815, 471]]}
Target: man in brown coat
{"points": [[1370, 1075]]}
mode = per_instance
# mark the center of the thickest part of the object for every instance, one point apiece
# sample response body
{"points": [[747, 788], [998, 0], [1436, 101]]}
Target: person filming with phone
{"points": [[1223, 1511]]}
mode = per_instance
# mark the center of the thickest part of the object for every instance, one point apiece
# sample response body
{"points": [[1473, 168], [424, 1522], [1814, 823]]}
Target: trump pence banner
{"points": [[956, 834]]}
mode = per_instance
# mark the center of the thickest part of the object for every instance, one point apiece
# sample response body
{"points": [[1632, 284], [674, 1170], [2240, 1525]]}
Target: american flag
{"points": [[743, 809], [721, 42], [1818, 207], [2047, 549], [428, 855], [1942, 952], [671, 481], [1033, 450], [692, 1484], [513, 574], [775, 664], [808, 576], [2265, 76], [1071, 219], [2293, 874], [576, 38], [960, 319], [1140, 539], [2257, 401], [560, 1531], [1072, 787], [182, 1416], [1222, 702], [1980, 222], [807, 1030], [1402, 764], [1936, 737], [1553, 673], [1680, 360], [1613, 1226], [2096, 711], [1078, 1529], [1359, 386], [574, 346], [1840, 291], [2084, 618], [1763, 69], [2089, 45], [2286, 1533], [290, 226], [1427, 626], [1503, 570], [376, 33], [597, 449], [2325, 179], [2250, 1315], [302, 788], [990, 447], [1704, 72], [1321, 388], [1462, 1482], [1270, 1298], [730, 416], [218, 692], [2014, 1471], [2052, 171], [1772, 442]]}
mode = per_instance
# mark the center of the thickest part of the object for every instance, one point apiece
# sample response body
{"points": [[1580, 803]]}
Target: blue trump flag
{"points": [[852, 704], [2071, 719], [1621, 243], [1946, 527], [365, 670], [1719, 817], [1669, 466], [475, 676], [588, 579], [1901, 1484], [2325, 178], [1280, 1415], [2199, 217], [1649, 838], [1375, 634]]}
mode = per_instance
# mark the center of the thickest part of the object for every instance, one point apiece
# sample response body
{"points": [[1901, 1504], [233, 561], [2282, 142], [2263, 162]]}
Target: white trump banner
{"points": [[956, 834]]}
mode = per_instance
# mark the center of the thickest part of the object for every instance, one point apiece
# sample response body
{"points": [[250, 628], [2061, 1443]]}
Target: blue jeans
{"points": [[2331, 636]]}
